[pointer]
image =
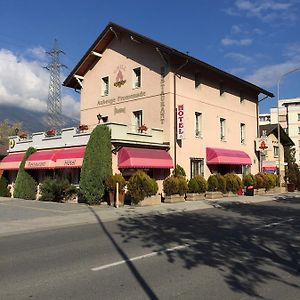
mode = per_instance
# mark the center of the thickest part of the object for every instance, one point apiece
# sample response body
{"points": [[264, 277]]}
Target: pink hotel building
{"points": [[164, 108]]}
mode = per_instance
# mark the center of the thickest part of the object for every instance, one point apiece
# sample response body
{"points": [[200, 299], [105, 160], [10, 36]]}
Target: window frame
{"points": [[136, 79], [200, 168], [222, 129], [137, 122], [198, 125], [243, 133], [105, 86]]}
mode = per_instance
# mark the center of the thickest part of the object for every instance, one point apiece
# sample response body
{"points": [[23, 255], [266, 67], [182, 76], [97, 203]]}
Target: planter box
{"points": [[152, 200], [291, 187], [213, 195], [278, 190], [195, 196], [174, 198], [259, 192], [230, 194]]}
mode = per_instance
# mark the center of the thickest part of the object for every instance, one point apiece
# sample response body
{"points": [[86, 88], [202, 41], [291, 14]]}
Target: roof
{"points": [[112, 30], [285, 140]]}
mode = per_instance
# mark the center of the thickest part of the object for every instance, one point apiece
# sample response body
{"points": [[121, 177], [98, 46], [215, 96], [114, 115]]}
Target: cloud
{"points": [[268, 76], [236, 42], [239, 58], [265, 10], [38, 53], [293, 51], [24, 83]]}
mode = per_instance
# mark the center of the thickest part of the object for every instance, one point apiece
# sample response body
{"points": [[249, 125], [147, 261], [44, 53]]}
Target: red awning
{"points": [[70, 158], [216, 156], [144, 158], [42, 159], [11, 161]]}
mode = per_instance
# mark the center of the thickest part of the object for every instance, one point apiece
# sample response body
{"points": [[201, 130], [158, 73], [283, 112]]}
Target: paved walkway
{"points": [[17, 215]]}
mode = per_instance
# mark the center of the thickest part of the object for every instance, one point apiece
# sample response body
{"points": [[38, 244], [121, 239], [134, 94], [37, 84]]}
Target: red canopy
{"points": [[70, 158], [215, 156], [11, 161], [42, 159], [144, 158]]}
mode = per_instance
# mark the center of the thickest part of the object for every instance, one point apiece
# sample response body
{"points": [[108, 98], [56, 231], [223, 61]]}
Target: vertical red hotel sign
{"points": [[180, 122]]}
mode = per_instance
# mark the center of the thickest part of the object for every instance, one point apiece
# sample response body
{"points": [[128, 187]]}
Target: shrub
{"points": [[249, 179], [25, 186], [260, 181], [212, 183], [221, 183], [182, 185], [111, 182], [97, 166], [270, 180], [293, 174], [193, 186], [170, 185], [4, 192], [55, 189], [140, 185], [178, 171], [233, 182], [202, 184]]}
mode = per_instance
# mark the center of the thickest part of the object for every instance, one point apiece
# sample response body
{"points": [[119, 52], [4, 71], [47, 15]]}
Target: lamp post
{"points": [[278, 125]]}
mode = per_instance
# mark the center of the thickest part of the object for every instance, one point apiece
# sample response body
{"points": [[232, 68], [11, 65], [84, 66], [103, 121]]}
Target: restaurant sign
{"points": [[180, 122]]}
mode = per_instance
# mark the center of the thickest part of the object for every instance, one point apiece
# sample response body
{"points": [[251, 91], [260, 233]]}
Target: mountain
{"points": [[32, 121]]}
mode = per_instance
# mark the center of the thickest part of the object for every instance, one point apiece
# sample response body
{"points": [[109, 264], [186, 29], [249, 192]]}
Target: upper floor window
{"points": [[242, 97], [137, 78], [105, 86], [243, 132], [222, 129], [298, 117], [198, 124], [276, 151], [222, 89], [197, 80], [299, 130], [137, 119]]}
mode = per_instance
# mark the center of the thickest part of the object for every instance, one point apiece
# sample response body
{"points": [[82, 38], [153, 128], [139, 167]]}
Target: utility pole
{"points": [[54, 105]]}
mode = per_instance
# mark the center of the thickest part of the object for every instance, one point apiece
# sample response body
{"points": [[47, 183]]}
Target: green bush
{"points": [[193, 186], [182, 185], [111, 182], [25, 186], [293, 175], [4, 192], [248, 180], [212, 183], [96, 167], [233, 182], [270, 180], [202, 184], [260, 181], [221, 183], [140, 185], [178, 171], [53, 189], [171, 185]]}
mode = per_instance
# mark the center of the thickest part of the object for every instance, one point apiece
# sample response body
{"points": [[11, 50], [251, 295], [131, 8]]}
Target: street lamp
{"points": [[278, 125]]}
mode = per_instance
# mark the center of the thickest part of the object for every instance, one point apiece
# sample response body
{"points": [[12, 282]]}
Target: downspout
{"points": [[175, 110]]}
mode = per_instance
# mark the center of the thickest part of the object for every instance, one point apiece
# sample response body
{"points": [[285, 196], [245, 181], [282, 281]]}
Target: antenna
{"points": [[54, 105]]}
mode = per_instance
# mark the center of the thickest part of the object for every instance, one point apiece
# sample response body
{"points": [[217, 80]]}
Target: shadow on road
{"points": [[233, 239], [148, 291]]}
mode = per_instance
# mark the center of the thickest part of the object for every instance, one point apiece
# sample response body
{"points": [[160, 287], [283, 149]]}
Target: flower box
{"points": [[50, 132], [23, 135], [195, 196], [174, 198], [142, 128], [83, 127], [213, 195], [152, 200]]}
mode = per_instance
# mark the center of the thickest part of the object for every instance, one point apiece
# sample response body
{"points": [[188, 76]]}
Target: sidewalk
{"points": [[17, 215]]}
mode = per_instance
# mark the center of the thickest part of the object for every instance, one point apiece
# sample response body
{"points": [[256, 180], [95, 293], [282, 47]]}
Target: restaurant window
{"points": [[222, 129], [137, 78], [197, 167], [198, 124], [242, 129], [105, 86], [137, 119], [246, 169], [276, 151]]}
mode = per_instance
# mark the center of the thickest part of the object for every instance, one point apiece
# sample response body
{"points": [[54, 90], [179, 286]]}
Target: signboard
{"points": [[180, 122], [261, 144]]}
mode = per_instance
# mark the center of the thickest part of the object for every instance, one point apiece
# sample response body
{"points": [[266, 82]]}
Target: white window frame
{"points": [[137, 78], [243, 133], [197, 166], [275, 151], [198, 125], [105, 86], [222, 129], [298, 117], [137, 117]]}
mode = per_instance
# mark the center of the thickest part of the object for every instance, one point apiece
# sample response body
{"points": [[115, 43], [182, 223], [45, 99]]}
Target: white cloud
{"points": [[38, 53], [24, 83], [70, 107], [268, 76], [239, 58], [236, 42]]}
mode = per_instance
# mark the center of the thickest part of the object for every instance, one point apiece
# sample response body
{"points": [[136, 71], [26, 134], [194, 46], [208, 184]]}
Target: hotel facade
{"points": [[163, 108]]}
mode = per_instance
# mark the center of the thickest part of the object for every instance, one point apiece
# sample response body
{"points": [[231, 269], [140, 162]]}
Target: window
{"points": [[242, 96], [298, 117], [137, 78], [197, 80], [197, 167], [198, 124], [105, 86], [246, 170], [276, 151], [222, 89], [222, 129], [137, 120], [242, 129], [299, 130]]}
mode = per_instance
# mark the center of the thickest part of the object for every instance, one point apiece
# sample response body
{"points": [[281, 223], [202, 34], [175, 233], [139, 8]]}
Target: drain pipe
{"points": [[175, 110]]}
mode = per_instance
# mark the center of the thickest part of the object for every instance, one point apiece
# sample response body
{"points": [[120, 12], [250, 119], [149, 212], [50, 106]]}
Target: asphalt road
{"points": [[234, 251]]}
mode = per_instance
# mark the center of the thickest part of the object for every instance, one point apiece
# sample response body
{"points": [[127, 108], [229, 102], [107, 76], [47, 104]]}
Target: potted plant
{"points": [[142, 128], [83, 127], [260, 184], [249, 183], [233, 184], [111, 184], [213, 188], [23, 135], [171, 190], [197, 188], [50, 132]]}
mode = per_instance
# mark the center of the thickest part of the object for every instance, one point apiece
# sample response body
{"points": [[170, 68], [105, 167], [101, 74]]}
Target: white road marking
{"points": [[274, 224], [140, 257]]}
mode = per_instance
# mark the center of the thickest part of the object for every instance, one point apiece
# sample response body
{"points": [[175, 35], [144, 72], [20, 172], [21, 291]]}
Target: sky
{"points": [[257, 40]]}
